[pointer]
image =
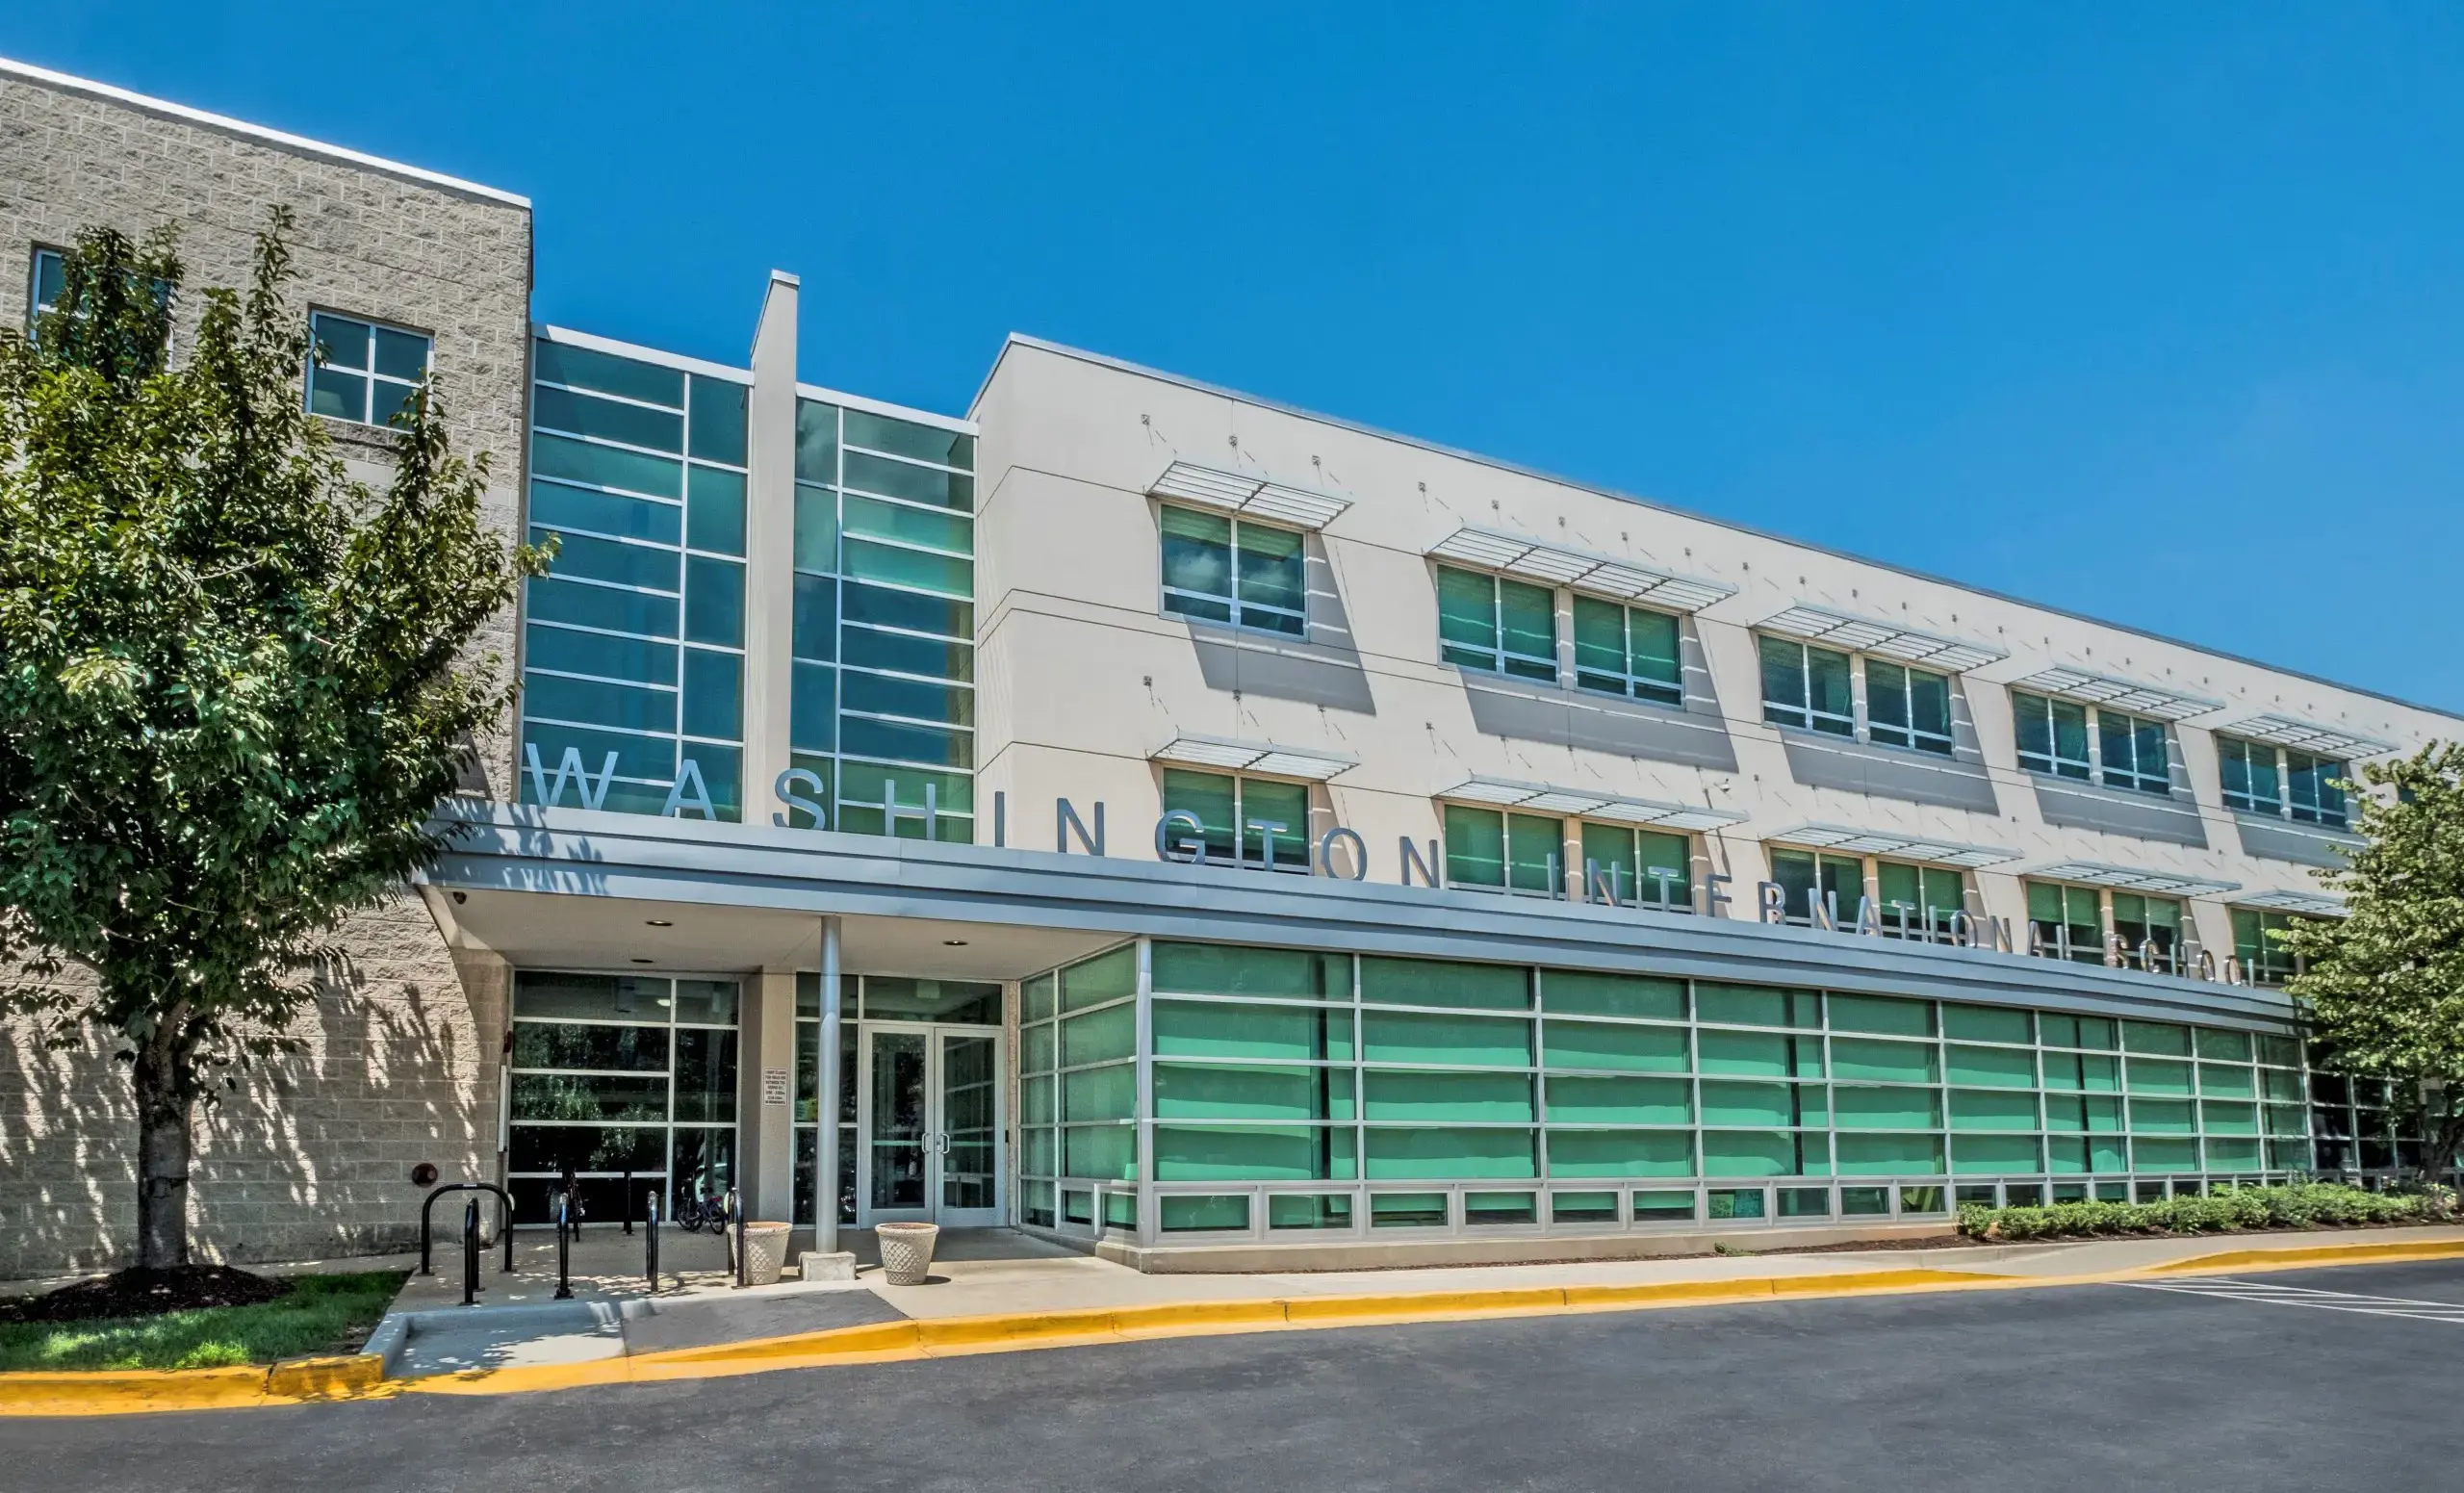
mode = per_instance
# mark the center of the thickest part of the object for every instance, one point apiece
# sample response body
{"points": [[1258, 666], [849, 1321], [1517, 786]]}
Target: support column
{"points": [[769, 549], [826, 1164], [765, 1128]]}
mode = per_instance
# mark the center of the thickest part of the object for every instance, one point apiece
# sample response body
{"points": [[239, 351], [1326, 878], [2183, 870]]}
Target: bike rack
{"points": [[504, 1219], [649, 1242], [471, 1254], [565, 1229]]}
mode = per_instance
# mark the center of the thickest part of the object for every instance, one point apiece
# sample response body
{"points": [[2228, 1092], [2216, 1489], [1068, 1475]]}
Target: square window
{"points": [[363, 371]]}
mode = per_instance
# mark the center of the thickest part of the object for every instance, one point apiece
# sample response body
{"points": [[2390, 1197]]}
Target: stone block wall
{"points": [[311, 1156]]}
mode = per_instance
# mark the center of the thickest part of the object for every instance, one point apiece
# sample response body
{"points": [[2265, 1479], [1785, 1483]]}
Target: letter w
{"points": [[549, 791]]}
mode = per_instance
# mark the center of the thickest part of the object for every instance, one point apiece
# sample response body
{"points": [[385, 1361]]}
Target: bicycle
{"points": [[697, 1207]]}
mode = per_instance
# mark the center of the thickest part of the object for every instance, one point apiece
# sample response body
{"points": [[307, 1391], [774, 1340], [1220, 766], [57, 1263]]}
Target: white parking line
{"points": [[2270, 1293]]}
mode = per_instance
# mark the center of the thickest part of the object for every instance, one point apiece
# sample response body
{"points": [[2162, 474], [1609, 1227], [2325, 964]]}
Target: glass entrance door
{"points": [[931, 1125]]}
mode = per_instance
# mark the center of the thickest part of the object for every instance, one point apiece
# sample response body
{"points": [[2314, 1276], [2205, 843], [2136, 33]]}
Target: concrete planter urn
{"points": [[765, 1252], [907, 1251]]}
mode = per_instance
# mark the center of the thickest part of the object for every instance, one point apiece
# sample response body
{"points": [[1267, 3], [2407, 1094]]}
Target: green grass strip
{"points": [[319, 1314]]}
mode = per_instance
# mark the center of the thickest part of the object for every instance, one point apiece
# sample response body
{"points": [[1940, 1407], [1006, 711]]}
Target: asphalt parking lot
{"points": [[2311, 1379]]}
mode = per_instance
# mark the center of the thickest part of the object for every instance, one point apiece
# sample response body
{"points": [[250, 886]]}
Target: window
{"points": [[1908, 707], [2150, 930], [1641, 867], [1807, 879], [2249, 769], [2053, 736], [1807, 687], [2301, 785], [2264, 959], [1273, 820], [1918, 901], [1496, 624], [2068, 922], [1504, 852], [2133, 752], [2311, 788], [1232, 571], [1627, 650], [363, 371], [49, 282]]}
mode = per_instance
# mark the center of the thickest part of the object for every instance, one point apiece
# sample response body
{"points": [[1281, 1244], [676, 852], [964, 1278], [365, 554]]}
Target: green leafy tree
{"points": [[234, 683], [2384, 985]]}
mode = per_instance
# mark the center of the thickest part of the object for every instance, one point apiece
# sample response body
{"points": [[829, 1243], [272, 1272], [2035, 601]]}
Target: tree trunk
{"points": [[163, 1111]]}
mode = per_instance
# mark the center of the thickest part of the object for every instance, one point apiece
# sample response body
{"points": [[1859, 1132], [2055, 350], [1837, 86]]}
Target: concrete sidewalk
{"points": [[990, 1272]]}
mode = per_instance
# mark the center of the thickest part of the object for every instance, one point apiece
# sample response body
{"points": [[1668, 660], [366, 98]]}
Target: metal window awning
{"points": [[1248, 495], [2123, 878], [1904, 847], [1279, 762], [1538, 798], [2305, 737], [1882, 639], [2122, 694], [1514, 554], [2309, 904]]}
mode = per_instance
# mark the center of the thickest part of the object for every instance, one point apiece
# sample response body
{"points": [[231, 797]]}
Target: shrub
{"points": [[2227, 1210]]}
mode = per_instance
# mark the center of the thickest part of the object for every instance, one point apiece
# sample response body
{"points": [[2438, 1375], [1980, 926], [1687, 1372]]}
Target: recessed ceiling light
{"points": [[658, 922], [640, 960], [953, 943]]}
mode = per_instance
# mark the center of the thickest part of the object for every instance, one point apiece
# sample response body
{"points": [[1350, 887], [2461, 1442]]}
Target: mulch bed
{"points": [[145, 1293]]}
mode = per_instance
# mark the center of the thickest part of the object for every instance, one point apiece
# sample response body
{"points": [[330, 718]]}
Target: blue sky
{"points": [[2155, 313]]}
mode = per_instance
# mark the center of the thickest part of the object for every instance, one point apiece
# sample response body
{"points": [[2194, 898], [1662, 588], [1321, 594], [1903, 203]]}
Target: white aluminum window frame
{"points": [[1230, 599], [366, 372]]}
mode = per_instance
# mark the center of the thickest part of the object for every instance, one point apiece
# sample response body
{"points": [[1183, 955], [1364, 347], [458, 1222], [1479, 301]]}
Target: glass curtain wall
{"points": [[633, 643], [883, 703], [618, 1076], [1290, 1090]]}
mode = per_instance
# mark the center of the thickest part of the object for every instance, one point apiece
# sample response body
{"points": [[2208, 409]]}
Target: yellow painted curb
{"points": [[2396, 1253], [359, 1377]]}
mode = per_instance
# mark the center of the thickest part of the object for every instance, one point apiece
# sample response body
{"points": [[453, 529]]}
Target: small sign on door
{"points": [[774, 1086]]}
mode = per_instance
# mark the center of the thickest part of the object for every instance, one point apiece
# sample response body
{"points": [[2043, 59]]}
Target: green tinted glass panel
{"points": [[2097, 1112], [2156, 1075], [2224, 1117], [909, 438], [1860, 1108], [1099, 1092], [2163, 1155], [2223, 1046], [1102, 978], [1254, 1153], [1309, 1210], [1218, 1029], [1987, 1023], [1642, 1050], [1619, 1101], [717, 408], [1730, 1102], [1898, 1062], [1203, 1215], [1104, 1152], [1412, 1037], [606, 466], [1612, 995], [1250, 1090], [1585, 1153], [2161, 1116], [1770, 1055], [1754, 1005], [1099, 1036], [1882, 1013], [1458, 1152], [2000, 1068], [1885, 1155], [2082, 1072], [1428, 982], [2235, 1083], [2161, 1039], [1992, 1109], [1229, 970], [1975, 1154], [1764, 1153], [1402, 1095], [563, 363]]}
